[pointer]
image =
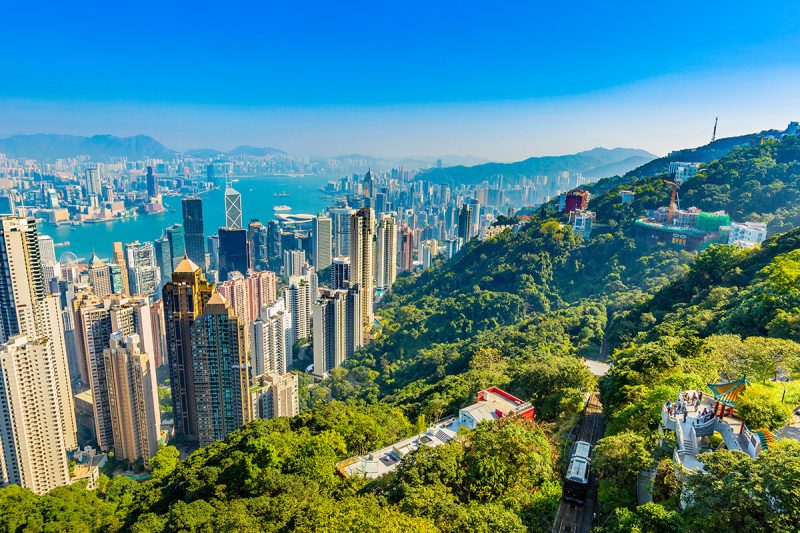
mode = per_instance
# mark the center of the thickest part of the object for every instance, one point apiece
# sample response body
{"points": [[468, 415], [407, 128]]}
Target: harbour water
{"points": [[258, 201]]}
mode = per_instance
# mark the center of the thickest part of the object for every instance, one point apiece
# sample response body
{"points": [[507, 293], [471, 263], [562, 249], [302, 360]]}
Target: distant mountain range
{"points": [[595, 163], [48, 147]]}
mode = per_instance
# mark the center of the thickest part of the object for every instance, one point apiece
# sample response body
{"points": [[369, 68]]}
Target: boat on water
{"points": [[282, 194], [281, 208]]}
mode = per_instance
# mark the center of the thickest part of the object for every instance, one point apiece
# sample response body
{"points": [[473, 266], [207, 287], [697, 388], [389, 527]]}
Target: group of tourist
{"points": [[681, 407]]}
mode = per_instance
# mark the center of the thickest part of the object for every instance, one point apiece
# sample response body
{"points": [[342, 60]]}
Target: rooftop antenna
{"points": [[714, 135]]}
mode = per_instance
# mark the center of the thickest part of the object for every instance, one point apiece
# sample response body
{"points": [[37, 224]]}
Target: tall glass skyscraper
{"points": [[233, 252], [221, 371], [193, 230], [233, 208], [177, 244]]}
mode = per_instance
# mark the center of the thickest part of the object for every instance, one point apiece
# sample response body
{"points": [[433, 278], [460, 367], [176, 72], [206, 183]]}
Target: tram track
{"points": [[578, 518]]}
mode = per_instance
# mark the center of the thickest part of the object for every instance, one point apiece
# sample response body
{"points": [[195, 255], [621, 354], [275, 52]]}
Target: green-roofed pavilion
{"points": [[727, 392]]}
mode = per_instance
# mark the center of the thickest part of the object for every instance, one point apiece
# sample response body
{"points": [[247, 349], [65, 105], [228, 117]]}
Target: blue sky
{"points": [[497, 79]]}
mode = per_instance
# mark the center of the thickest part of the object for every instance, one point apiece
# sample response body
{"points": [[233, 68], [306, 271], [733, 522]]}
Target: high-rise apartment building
{"points": [[270, 336], [95, 321], [337, 328], [293, 262], [235, 291], [340, 272], [340, 218], [221, 372], [100, 277], [406, 249], [47, 249], [258, 240], [193, 230], [32, 441], [119, 259], [262, 289], [133, 398], [38, 417], [275, 395], [362, 261], [297, 300], [274, 250], [386, 253], [321, 230], [465, 223], [144, 275], [184, 299]]}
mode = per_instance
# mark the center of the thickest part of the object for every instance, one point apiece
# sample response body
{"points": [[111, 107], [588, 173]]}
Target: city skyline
{"points": [[502, 84]]}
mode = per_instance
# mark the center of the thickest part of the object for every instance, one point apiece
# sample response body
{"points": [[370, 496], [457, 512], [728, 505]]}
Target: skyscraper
{"points": [[163, 257], [340, 217], [274, 249], [233, 208], [100, 277], [368, 186], [34, 450], [337, 328], [362, 261], [213, 251], [221, 372], [275, 395], [269, 334], [386, 253], [321, 232], [21, 278], [47, 249], [236, 293], [293, 261], [297, 299], [35, 385], [184, 299], [193, 230], [406, 249], [465, 223], [257, 238], [119, 259], [95, 320], [177, 244], [233, 252], [133, 398], [340, 272], [152, 183], [94, 186], [143, 272], [117, 284]]}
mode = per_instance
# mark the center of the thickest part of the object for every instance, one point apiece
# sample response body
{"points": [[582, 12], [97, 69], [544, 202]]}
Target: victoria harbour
{"points": [[258, 201]]}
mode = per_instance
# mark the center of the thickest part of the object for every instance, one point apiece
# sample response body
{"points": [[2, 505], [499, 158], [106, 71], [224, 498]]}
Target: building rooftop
{"points": [[186, 266], [492, 403]]}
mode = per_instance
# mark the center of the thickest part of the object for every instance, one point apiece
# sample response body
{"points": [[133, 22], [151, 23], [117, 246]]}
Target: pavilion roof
{"points": [[765, 436], [728, 392]]}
